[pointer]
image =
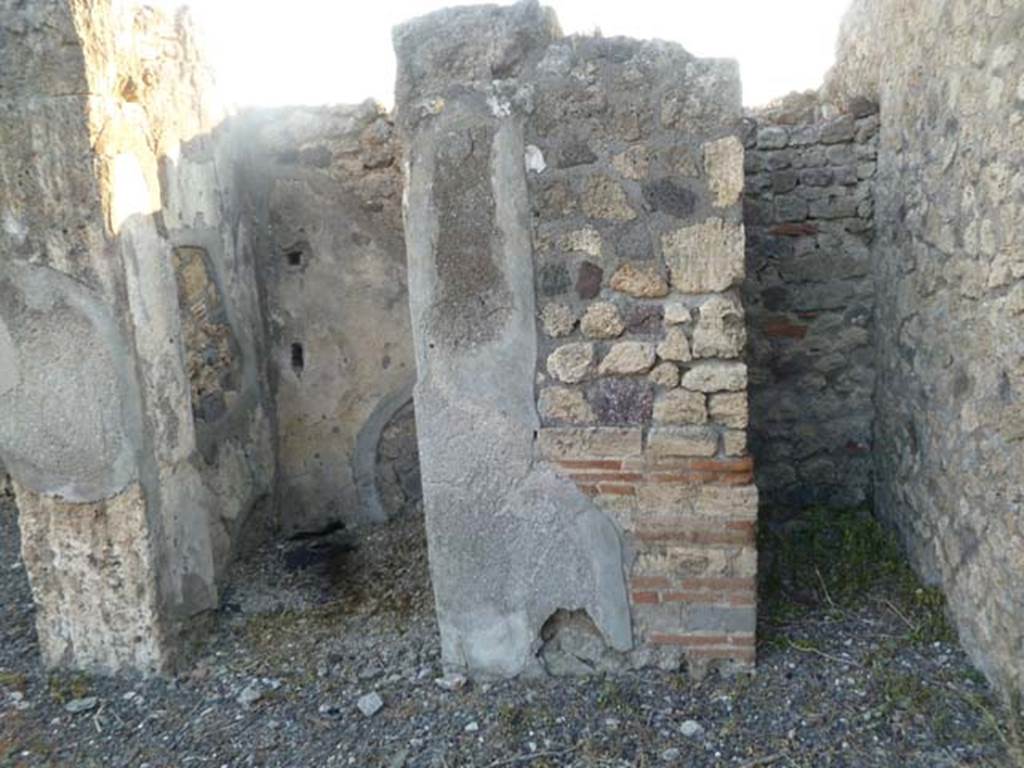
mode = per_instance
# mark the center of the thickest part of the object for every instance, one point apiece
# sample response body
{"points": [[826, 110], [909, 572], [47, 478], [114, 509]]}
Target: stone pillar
{"points": [[575, 242], [131, 397]]}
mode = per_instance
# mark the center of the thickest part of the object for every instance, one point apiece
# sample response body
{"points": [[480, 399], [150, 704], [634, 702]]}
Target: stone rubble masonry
{"points": [[948, 267], [135, 413], [637, 204], [809, 295]]}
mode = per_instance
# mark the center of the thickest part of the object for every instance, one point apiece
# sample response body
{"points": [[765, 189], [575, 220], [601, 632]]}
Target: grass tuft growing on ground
{"points": [[837, 560]]}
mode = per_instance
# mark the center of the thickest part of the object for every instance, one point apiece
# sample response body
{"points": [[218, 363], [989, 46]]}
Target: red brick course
{"points": [[660, 518]]}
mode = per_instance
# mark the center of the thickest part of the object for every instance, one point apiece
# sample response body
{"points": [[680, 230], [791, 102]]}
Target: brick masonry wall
{"points": [[635, 172], [809, 295]]}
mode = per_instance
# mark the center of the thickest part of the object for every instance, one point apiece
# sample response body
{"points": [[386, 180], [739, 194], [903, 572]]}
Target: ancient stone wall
{"points": [[635, 179], [575, 202], [949, 278], [133, 403], [809, 294], [325, 193]]}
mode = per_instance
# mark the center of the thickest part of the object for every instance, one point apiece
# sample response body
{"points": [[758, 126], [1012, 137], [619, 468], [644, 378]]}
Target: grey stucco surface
{"points": [[510, 542], [72, 419], [324, 190]]}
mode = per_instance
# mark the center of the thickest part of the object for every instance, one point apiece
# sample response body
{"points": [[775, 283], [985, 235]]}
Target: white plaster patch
{"points": [[130, 194], [534, 159], [499, 107], [14, 226]]}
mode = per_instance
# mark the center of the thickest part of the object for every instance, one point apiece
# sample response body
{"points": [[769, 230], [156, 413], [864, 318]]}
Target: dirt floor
{"points": [[857, 667]]}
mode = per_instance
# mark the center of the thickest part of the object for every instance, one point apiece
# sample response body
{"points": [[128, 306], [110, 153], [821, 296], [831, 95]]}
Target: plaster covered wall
{"points": [[809, 290], [949, 280], [133, 403], [325, 192]]}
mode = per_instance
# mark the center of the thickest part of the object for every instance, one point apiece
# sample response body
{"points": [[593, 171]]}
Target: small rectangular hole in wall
{"points": [[296, 255], [298, 358]]}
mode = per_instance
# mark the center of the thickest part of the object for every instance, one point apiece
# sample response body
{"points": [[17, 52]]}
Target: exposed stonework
{"points": [[947, 266], [325, 185], [591, 134], [809, 290]]}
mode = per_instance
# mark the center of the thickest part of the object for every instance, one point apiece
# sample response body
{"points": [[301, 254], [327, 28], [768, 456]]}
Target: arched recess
{"points": [[364, 456]]}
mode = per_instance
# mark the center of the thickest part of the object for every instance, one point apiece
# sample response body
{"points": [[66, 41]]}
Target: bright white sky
{"points": [[276, 52]]}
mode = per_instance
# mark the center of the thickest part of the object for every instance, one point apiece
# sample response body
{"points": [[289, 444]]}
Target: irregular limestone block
{"points": [[600, 442], [677, 313], [562, 404], [558, 320], [633, 163], [628, 357], [716, 377], [723, 167], [678, 406], [720, 332], [570, 363], [602, 321], [664, 375], [734, 442], [675, 346], [729, 409], [705, 257], [639, 282], [586, 241], [603, 198], [669, 442]]}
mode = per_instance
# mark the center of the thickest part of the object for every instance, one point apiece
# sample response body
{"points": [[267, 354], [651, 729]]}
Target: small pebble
{"points": [[77, 706], [252, 693], [451, 682], [691, 729], [370, 704], [472, 727]]}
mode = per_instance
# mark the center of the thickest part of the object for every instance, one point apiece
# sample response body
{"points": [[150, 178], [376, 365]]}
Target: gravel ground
{"points": [[309, 628]]}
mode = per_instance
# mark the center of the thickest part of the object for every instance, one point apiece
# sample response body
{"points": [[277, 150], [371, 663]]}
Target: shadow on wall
{"points": [[326, 192]]}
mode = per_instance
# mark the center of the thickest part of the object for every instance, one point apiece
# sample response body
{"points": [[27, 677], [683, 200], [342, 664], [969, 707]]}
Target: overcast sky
{"points": [[274, 52]]}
